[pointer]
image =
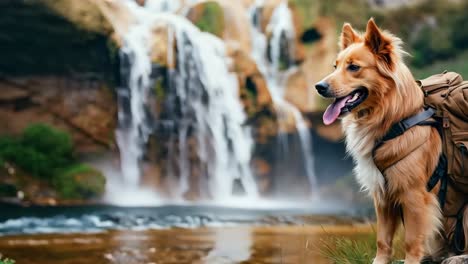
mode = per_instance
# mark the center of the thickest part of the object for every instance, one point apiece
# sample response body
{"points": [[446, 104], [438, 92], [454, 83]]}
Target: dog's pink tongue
{"points": [[333, 111]]}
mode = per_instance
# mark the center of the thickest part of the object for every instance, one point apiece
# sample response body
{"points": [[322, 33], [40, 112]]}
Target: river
{"points": [[173, 234]]}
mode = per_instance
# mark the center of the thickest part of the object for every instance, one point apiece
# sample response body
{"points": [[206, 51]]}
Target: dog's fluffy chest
{"points": [[359, 143]]}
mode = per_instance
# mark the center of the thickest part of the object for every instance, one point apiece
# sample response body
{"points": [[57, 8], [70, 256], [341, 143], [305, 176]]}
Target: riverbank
{"points": [[241, 244]]}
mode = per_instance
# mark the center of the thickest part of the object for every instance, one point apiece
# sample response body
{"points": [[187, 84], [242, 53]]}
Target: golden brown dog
{"points": [[373, 89]]}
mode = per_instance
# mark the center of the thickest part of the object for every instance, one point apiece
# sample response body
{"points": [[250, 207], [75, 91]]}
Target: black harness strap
{"points": [[399, 128], [420, 119]]}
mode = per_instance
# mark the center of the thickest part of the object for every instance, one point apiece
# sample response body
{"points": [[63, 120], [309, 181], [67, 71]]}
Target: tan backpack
{"points": [[447, 93]]}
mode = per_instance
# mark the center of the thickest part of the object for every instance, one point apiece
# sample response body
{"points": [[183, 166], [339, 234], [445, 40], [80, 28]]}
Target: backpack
{"points": [[447, 93]]}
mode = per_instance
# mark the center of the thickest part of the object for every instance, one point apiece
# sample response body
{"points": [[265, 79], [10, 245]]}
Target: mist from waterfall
{"points": [[267, 53], [207, 94], [203, 110]]}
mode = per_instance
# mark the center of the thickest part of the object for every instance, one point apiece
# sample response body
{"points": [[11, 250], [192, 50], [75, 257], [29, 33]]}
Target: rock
{"points": [[298, 91], [251, 80], [141, 2], [267, 11], [332, 132], [83, 13], [209, 17], [160, 48], [457, 260], [84, 108], [319, 58]]}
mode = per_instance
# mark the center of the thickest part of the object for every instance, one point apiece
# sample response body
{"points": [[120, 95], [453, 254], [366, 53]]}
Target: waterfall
{"points": [[206, 94], [268, 56]]}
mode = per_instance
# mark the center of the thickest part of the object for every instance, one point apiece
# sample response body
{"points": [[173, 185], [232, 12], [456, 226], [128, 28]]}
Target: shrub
{"points": [[79, 182], [47, 153], [40, 150]]}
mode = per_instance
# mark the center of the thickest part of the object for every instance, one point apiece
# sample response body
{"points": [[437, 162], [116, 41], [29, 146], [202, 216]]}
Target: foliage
{"points": [[7, 261], [456, 64], [79, 181], [212, 19], [47, 153], [40, 150], [358, 250], [349, 251], [432, 31]]}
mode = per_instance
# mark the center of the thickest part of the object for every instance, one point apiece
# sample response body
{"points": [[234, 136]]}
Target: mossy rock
{"points": [[80, 182], [208, 17]]}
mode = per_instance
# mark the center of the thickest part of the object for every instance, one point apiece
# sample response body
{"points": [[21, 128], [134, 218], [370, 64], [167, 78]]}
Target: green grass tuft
{"points": [[7, 261], [358, 250]]}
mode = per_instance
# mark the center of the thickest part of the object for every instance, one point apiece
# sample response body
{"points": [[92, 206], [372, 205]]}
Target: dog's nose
{"points": [[322, 87]]}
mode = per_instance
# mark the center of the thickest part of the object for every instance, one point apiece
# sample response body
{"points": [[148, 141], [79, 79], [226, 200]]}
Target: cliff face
{"points": [[62, 66]]}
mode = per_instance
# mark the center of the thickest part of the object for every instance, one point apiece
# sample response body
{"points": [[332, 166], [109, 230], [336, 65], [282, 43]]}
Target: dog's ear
{"points": [[348, 36], [378, 42]]}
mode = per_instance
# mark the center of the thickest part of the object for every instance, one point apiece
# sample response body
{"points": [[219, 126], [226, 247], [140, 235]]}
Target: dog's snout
{"points": [[322, 87]]}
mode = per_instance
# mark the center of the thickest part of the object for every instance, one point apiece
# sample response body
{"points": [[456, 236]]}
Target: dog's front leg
{"points": [[422, 219], [387, 224]]}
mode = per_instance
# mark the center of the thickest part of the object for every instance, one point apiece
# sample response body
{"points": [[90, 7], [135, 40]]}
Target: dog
{"points": [[372, 90]]}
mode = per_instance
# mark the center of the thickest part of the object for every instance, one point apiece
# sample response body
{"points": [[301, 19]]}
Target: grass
{"points": [[7, 261], [358, 250], [458, 64]]}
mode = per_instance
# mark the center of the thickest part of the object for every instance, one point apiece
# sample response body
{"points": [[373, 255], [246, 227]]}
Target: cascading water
{"points": [[207, 97], [270, 61]]}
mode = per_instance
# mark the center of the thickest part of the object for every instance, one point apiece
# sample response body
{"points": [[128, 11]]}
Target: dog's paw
{"points": [[381, 260]]}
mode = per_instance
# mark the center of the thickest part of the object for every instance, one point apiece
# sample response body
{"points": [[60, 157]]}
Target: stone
{"points": [[319, 59], [85, 109], [298, 91], [463, 259], [209, 17], [141, 2], [160, 47], [84, 13]]}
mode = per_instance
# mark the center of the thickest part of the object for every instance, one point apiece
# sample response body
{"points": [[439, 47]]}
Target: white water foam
{"points": [[224, 144], [280, 25]]}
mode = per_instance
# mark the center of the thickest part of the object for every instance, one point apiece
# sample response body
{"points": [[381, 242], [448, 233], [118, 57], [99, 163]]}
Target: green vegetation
{"points": [[40, 150], [47, 153], [78, 181], [7, 261], [211, 19], [432, 31], [358, 250], [457, 64]]}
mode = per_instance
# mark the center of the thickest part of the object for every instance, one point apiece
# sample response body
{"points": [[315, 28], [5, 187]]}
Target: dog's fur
{"points": [[392, 96]]}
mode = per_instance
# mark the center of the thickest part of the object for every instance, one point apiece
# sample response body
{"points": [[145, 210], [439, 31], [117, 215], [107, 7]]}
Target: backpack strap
{"points": [[398, 129]]}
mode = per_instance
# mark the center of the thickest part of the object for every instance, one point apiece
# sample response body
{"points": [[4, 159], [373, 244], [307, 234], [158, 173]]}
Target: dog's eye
{"points": [[353, 67], [334, 66]]}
